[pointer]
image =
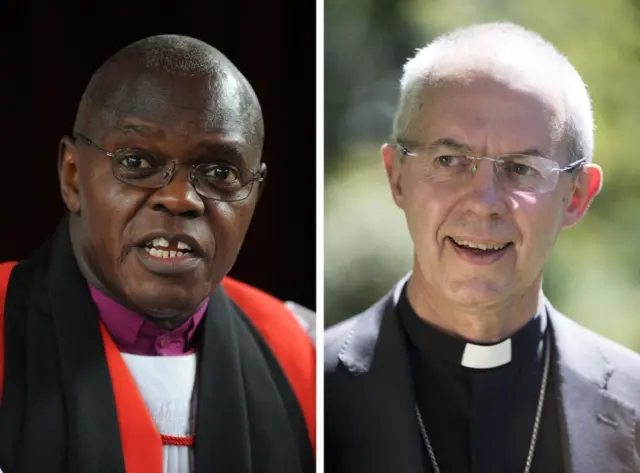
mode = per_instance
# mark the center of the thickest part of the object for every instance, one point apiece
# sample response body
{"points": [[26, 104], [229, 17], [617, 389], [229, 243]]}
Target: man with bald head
{"points": [[465, 366], [125, 348]]}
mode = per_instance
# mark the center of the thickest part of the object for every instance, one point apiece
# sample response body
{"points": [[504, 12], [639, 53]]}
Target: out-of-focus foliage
{"points": [[594, 272]]}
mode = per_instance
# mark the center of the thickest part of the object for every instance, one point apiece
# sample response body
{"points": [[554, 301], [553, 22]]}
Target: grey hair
{"points": [[498, 43]]}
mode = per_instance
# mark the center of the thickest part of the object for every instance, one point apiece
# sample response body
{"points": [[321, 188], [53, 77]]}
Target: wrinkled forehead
{"points": [[494, 113], [216, 103]]}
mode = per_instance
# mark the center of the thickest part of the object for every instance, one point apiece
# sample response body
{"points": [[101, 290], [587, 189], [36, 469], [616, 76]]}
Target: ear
{"points": [[588, 184], [68, 174], [392, 168], [261, 185]]}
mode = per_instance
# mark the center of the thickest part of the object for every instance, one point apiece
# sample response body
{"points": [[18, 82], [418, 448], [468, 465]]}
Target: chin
{"points": [[166, 305], [163, 296], [478, 293]]}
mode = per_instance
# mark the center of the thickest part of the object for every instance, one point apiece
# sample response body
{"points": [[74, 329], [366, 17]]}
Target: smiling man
{"points": [[465, 365], [126, 346]]}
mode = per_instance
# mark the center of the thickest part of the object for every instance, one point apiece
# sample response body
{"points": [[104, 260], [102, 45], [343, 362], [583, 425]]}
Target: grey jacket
{"points": [[370, 424]]}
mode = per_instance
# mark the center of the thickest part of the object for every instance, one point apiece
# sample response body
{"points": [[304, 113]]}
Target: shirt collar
{"points": [[133, 333]]}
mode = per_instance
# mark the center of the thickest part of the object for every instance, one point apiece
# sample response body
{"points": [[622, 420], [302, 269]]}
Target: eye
{"points": [[135, 161], [520, 169], [448, 161], [225, 173]]}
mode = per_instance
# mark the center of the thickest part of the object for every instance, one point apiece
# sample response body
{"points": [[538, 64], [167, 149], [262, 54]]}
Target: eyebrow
{"points": [[126, 128], [138, 128], [222, 150], [233, 151], [449, 143], [464, 148]]}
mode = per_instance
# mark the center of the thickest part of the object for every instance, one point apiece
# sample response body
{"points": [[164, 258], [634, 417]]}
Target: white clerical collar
{"points": [[493, 356], [435, 343], [483, 357]]}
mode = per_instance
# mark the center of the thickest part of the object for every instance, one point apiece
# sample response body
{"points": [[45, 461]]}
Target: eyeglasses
{"points": [[516, 172], [218, 180]]}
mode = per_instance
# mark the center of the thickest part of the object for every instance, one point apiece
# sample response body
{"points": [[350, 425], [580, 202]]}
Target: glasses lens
{"points": [[218, 181], [223, 181], [443, 168], [528, 173], [140, 168]]}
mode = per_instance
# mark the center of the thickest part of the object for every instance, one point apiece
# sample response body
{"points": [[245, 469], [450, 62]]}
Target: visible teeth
{"points": [[160, 242], [183, 246], [480, 246], [165, 254]]}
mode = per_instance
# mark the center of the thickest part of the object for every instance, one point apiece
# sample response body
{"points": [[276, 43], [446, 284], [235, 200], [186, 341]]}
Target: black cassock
{"points": [[481, 420]]}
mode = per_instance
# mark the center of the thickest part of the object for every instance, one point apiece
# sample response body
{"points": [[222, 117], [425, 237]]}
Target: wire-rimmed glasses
{"points": [[518, 172], [217, 180]]}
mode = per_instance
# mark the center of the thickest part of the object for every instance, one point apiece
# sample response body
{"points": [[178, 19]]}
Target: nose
{"points": [[179, 197], [485, 196]]}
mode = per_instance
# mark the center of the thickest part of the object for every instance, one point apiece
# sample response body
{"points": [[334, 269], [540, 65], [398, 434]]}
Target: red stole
{"points": [[141, 441]]}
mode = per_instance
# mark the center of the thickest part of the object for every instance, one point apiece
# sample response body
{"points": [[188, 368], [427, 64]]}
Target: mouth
{"points": [[480, 252], [167, 254], [167, 246]]}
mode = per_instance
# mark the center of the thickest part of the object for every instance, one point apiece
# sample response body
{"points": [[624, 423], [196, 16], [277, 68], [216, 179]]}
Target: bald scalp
{"points": [[111, 87], [499, 50]]}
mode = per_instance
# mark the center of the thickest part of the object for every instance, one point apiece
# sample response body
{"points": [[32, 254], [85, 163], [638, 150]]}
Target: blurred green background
{"points": [[594, 273]]}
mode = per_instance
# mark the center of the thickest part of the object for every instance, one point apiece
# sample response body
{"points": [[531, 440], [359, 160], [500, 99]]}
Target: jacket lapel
{"points": [[600, 428], [375, 353]]}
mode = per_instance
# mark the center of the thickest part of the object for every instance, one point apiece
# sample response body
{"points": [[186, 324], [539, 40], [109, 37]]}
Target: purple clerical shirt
{"points": [[133, 334]]}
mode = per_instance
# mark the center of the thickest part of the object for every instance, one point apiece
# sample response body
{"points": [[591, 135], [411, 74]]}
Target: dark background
{"points": [[48, 54]]}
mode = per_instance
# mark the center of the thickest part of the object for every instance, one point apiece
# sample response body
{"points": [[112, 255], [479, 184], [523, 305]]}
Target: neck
{"points": [[169, 323], [490, 323]]}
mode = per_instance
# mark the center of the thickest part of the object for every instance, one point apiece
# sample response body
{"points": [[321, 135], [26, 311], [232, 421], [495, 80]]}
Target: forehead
{"points": [[493, 115], [186, 106]]}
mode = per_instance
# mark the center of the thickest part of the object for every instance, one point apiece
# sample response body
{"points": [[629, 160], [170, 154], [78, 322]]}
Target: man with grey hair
{"points": [[465, 365]]}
